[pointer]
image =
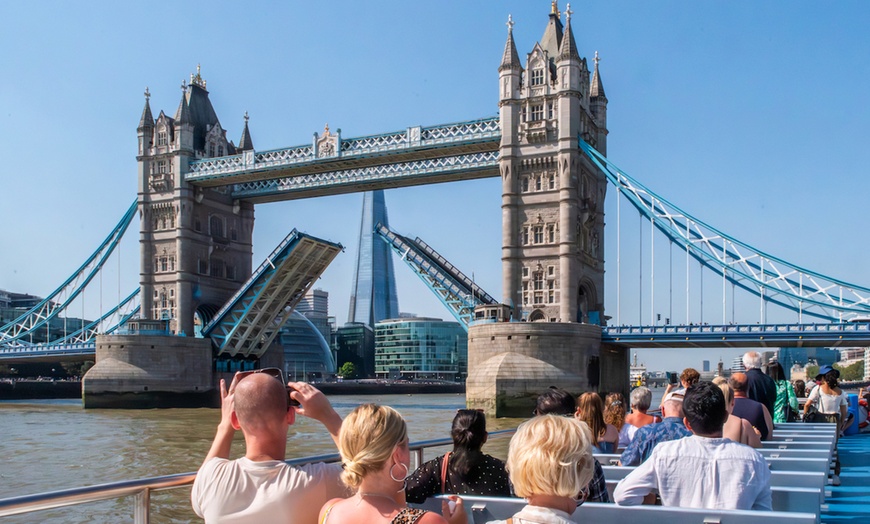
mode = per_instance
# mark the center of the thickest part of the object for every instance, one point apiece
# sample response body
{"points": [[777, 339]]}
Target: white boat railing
{"points": [[141, 490]]}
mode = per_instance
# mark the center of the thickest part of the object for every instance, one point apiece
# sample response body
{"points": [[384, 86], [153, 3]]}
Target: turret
{"points": [[245, 143], [183, 122], [598, 107], [146, 126], [570, 69]]}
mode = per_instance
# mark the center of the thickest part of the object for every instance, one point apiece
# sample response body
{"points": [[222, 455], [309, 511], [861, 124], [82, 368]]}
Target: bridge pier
{"points": [[511, 363], [150, 371]]}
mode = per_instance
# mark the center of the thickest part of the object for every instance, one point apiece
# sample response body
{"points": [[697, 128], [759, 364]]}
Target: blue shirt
{"points": [[646, 438]]}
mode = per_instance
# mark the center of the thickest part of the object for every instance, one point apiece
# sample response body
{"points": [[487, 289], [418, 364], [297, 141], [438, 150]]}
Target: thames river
{"points": [[52, 445]]}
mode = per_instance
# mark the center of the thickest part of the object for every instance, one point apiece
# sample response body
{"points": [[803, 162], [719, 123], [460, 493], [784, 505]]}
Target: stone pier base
{"points": [[511, 363], [150, 371]]}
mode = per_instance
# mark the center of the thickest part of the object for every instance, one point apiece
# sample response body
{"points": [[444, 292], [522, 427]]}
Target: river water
{"points": [[52, 445]]}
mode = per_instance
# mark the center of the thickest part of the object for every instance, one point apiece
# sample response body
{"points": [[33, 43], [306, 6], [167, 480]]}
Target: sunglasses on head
{"points": [[277, 374]]}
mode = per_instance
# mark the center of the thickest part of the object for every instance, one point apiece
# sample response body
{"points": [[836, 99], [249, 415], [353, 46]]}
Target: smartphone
{"points": [[277, 374], [673, 377]]}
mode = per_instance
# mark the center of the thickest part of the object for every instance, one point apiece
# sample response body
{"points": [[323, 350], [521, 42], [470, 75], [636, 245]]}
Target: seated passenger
{"points": [[614, 413], [688, 377], [590, 410], [703, 470], [641, 397], [468, 471], [260, 487], [755, 412], [550, 462], [374, 451], [647, 437], [736, 428], [559, 402]]}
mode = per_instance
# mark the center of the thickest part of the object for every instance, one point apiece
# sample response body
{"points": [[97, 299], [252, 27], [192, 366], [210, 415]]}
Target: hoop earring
{"points": [[404, 477]]}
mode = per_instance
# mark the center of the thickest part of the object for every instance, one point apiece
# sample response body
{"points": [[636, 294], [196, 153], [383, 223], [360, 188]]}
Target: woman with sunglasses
{"points": [[466, 469], [549, 462], [374, 452]]}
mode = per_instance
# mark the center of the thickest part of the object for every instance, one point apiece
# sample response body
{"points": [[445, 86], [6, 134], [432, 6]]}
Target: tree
{"points": [[812, 371], [347, 370], [851, 373]]}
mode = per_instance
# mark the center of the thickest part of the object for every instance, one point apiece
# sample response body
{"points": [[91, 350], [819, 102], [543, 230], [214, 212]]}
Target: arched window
{"points": [[216, 226]]}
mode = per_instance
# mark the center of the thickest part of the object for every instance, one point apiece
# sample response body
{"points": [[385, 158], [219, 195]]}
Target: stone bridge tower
{"points": [[552, 230], [195, 243]]}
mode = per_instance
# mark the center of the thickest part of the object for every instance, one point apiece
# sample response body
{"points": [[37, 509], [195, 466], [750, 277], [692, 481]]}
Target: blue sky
{"points": [[751, 115]]}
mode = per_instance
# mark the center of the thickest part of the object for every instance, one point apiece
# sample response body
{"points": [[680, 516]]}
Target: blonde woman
{"points": [[736, 428], [549, 463], [590, 410], [373, 443]]}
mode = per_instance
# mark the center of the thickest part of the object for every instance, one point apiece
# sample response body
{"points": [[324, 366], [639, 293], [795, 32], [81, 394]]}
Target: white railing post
{"points": [[142, 507]]}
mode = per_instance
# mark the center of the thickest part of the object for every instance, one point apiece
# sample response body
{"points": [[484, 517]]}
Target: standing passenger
{"points": [[759, 387], [786, 407]]}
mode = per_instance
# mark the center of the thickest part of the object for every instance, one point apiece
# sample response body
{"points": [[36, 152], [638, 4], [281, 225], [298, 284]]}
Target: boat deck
{"points": [[850, 501]]}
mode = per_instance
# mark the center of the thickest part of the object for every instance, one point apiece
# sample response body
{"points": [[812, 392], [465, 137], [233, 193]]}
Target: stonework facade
{"points": [[552, 196], [195, 243]]}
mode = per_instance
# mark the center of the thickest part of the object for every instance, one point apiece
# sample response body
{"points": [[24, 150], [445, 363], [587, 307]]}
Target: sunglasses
{"points": [[277, 374]]}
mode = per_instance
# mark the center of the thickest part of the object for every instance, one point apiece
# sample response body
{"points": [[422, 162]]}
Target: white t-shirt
{"points": [[538, 515], [243, 491], [827, 403]]}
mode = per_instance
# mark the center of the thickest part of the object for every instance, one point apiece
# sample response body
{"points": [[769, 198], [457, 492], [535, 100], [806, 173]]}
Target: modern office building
{"points": [[355, 342], [421, 348], [306, 352], [373, 296], [315, 306]]}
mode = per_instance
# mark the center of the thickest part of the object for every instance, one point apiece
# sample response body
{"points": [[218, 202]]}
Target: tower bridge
{"points": [[196, 199]]}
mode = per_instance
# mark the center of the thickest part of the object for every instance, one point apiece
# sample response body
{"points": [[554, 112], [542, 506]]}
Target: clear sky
{"points": [[752, 116]]}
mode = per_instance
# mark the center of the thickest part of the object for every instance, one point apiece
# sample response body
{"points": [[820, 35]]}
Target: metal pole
{"points": [[761, 292], [652, 265], [701, 271], [724, 284], [801, 302], [671, 279], [640, 269], [688, 247], [142, 507], [618, 250]]}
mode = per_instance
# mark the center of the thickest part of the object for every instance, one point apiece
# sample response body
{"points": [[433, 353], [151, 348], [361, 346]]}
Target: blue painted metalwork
{"points": [[380, 176], [61, 297], [733, 335], [410, 140], [248, 323], [777, 281], [452, 287], [123, 312], [48, 350]]}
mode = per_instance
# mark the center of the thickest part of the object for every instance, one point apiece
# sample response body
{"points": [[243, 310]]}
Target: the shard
{"points": [[373, 297]]}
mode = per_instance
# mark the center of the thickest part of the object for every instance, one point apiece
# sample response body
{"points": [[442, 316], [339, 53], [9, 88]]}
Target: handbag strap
{"points": [[444, 473]]}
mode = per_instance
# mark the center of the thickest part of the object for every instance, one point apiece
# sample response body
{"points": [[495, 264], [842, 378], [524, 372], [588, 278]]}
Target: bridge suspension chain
{"points": [[772, 279], [59, 299]]}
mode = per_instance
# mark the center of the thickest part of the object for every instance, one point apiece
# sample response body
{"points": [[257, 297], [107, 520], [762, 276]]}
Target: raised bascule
{"points": [[202, 308]]}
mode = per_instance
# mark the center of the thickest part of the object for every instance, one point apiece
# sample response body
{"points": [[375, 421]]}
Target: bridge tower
{"points": [[552, 230], [195, 243]]}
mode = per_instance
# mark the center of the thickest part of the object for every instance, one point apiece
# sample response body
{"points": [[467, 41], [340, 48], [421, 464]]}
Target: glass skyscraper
{"points": [[373, 297], [420, 348]]}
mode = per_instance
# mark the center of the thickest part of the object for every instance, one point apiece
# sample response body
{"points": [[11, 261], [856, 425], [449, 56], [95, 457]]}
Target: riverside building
{"points": [[420, 348]]}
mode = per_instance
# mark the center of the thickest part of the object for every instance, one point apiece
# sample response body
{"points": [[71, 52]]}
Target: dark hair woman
{"points": [[785, 409], [831, 402], [590, 409], [467, 470]]}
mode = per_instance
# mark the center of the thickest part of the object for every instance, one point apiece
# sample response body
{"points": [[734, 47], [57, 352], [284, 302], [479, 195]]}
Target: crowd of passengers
{"points": [[699, 454]]}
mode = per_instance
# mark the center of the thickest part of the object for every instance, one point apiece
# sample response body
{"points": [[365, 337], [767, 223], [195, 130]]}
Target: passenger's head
{"points": [[672, 406], [738, 383], [728, 393], [800, 388], [614, 409], [828, 375], [261, 405], [774, 371], [555, 401], [719, 380], [752, 360], [469, 434], [590, 410], [704, 409], [372, 437], [689, 376], [550, 455], [641, 398]]}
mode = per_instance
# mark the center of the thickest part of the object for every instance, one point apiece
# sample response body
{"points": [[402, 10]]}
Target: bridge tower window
{"points": [[537, 112], [162, 138], [539, 234], [537, 77], [216, 226]]}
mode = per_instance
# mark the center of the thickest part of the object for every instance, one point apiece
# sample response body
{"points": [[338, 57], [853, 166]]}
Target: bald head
{"points": [[738, 383], [672, 408], [260, 402]]}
